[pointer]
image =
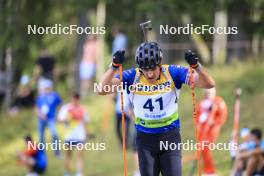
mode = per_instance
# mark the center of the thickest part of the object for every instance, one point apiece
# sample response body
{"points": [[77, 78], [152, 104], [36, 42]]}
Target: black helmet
{"points": [[148, 55]]}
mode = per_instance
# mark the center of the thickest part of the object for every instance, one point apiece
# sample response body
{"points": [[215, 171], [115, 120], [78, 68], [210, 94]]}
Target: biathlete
{"points": [[211, 116], [75, 117], [155, 103]]}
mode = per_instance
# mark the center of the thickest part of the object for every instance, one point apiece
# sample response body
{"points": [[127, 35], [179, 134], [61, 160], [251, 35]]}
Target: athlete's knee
{"points": [[251, 165], [53, 131]]}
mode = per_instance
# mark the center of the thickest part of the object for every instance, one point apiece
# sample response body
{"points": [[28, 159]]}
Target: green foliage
{"points": [[16, 15], [248, 76]]}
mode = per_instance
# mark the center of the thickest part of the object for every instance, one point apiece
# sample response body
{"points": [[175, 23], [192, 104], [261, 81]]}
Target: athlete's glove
{"points": [[118, 59], [192, 59]]}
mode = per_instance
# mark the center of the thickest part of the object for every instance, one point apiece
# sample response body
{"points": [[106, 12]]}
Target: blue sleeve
{"points": [[128, 76], [251, 145], [37, 102], [179, 74], [58, 100], [262, 145]]}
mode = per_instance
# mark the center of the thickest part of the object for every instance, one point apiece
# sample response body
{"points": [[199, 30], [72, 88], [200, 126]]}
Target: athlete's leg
{"points": [[207, 155], [127, 123], [87, 73], [118, 127], [148, 155], [148, 162], [252, 165], [136, 167], [208, 162], [79, 163], [34, 166], [41, 130], [28, 161], [214, 133], [52, 128], [238, 167], [170, 159], [171, 163], [67, 162]]}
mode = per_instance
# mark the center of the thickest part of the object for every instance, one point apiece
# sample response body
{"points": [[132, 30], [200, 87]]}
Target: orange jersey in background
{"points": [[211, 115], [215, 109]]}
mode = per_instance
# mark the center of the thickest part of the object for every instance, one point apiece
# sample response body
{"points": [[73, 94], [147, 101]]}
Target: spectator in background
{"points": [[211, 115], [120, 40], [245, 137], [33, 158], [25, 97], [255, 164], [250, 158], [45, 64], [45, 67], [245, 141], [75, 118], [3, 84], [128, 115], [88, 64], [46, 105]]}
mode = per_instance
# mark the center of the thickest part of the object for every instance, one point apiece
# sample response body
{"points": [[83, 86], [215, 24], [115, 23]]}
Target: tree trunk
{"points": [[100, 21], [255, 44], [256, 39], [9, 77], [219, 40], [200, 44], [82, 22]]}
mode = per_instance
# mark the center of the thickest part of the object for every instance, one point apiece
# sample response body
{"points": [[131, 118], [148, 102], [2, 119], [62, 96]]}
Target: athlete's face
{"points": [[47, 90], [75, 101], [245, 138], [152, 74], [254, 138]]}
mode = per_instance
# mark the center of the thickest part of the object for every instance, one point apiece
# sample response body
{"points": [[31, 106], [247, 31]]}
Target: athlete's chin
{"points": [[152, 81]]}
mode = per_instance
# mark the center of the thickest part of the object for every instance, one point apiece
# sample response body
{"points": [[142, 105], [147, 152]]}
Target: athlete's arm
{"points": [[246, 154], [108, 77], [108, 80], [40, 114], [201, 77]]}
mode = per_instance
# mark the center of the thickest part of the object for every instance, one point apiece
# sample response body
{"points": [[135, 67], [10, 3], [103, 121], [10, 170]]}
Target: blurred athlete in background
{"points": [[211, 115], [75, 117], [47, 104], [33, 158]]}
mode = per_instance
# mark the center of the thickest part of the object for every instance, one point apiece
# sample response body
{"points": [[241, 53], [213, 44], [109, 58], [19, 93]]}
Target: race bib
{"points": [[203, 117], [44, 109]]}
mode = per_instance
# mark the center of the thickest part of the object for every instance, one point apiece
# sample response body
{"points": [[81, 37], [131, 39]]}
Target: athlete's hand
{"points": [[192, 59], [18, 155], [42, 116], [118, 58], [238, 93]]}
